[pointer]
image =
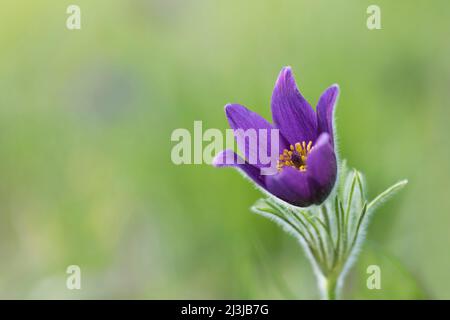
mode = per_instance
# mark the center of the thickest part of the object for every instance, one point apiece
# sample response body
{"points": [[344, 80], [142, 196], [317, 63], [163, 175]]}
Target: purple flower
{"points": [[306, 168]]}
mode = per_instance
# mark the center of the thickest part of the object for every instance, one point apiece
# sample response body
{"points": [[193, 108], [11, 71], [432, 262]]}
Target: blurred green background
{"points": [[86, 117]]}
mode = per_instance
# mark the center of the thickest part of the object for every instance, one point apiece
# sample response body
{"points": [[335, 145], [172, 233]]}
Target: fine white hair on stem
{"points": [[331, 240]]}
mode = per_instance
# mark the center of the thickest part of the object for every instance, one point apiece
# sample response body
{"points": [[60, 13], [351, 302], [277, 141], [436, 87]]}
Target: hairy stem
{"points": [[329, 287]]}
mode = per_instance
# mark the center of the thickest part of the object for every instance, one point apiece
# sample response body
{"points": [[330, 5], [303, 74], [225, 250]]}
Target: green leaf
{"points": [[264, 208], [389, 192]]}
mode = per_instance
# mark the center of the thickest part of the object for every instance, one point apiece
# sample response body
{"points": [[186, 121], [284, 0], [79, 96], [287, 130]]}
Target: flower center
{"points": [[296, 156]]}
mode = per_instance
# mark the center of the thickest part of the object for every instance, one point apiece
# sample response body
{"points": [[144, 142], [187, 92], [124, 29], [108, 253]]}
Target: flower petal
{"points": [[325, 110], [228, 158], [292, 186], [291, 112], [239, 117], [322, 168], [311, 186]]}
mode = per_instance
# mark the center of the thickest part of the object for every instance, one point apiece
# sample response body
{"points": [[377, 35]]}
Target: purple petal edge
{"points": [[228, 158], [322, 168], [239, 117], [325, 110], [291, 113]]}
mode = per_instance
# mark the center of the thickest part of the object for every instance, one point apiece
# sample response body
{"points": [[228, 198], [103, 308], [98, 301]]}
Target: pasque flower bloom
{"points": [[307, 166]]}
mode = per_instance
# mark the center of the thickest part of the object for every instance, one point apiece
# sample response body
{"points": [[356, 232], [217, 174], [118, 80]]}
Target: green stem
{"points": [[338, 229], [319, 237], [329, 290]]}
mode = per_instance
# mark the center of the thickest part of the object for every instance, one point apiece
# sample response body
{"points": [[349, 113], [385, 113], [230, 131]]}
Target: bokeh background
{"points": [[86, 118]]}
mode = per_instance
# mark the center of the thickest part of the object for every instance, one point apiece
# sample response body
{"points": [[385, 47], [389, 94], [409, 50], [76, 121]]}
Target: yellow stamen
{"points": [[295, 157]]}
